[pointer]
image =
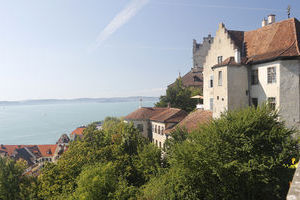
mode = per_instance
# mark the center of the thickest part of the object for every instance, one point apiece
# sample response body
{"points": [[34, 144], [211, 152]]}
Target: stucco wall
{"points": [[221, 46], [289, 92], [238, 90], [263, 89], [220, 92]]}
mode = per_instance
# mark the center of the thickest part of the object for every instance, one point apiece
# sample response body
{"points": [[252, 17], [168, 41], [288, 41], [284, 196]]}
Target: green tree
{"points": [[13, 184], [242, 155], [117, 154], [179, 96]]}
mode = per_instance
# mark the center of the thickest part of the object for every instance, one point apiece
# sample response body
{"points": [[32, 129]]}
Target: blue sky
{"points": [[108, 48]]}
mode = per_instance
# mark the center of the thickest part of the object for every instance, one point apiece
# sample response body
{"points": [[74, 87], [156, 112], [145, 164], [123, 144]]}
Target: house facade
{"points": [[244, 68], [153, 122], [162, 122]]}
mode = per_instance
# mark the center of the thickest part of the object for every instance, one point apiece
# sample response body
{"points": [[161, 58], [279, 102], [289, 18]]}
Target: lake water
{"points": [[44, 124]]}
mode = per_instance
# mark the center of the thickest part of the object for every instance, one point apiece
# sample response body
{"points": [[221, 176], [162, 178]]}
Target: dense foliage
{"points": [[107, 164], [242, 155], [178, 96], [13, 184]]}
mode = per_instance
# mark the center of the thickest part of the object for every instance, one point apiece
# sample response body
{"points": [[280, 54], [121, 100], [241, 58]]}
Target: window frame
{"points": [[272, 103], [271, 75], [220, 59], [220, 78], [254, 77]]}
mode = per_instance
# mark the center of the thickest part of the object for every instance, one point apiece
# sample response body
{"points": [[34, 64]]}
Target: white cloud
{"points": [[132, 8]]}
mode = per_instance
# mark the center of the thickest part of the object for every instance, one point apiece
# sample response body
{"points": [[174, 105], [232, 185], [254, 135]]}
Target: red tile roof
{"points": [[274, 41], [193, 120], [47, 150], [170, 115], [144, 113], [43, 150], [78, 131]]}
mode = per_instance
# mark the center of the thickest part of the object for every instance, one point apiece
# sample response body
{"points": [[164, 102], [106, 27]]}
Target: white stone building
{"points": [[153, 122], [245, 68]]}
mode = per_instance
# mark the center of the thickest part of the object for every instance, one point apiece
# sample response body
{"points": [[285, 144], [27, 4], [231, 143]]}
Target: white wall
{"points": [[263, 89], [158, 138]]}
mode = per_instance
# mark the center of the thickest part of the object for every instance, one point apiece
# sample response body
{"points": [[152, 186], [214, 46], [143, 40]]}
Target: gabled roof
{"points": [[144, 113], [274, 41], [47, 150], [170, 115]]}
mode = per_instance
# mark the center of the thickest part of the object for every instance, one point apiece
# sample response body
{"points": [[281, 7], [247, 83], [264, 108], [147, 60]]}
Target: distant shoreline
{"points": [[78, 100]]}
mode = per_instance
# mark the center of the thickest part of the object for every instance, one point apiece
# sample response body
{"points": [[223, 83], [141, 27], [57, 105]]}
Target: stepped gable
{"points": [[275, 41], [144, 113], [170, 115]]}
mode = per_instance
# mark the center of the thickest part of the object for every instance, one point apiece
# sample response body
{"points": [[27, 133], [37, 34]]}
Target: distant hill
{"points": [[79, 100]]}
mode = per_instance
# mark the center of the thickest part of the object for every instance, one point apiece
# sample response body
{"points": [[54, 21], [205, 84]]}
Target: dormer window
{"points": [[219, 59], [196, 79]]}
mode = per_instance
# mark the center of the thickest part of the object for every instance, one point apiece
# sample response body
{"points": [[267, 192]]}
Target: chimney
{"points": [[271, 19], [264, 22], [237, 56]]}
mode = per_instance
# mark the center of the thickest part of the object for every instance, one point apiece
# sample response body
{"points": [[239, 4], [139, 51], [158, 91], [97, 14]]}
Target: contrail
{"points": [[131, 9]]}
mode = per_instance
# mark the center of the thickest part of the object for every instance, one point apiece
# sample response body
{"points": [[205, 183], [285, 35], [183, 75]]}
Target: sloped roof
{"points": [[78, 131], [37, 150], [193, 120], [227, 61], [274, 41], [191, 79], [170, 115], [47, 150], [144, 113]]}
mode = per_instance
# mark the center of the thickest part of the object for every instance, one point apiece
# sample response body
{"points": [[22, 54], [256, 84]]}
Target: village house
{"points": [[152, 122], [36, 155], [247, 68]]}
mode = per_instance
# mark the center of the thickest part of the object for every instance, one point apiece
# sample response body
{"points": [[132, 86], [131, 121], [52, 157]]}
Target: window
{"points": [[271, 75], [197, 79], [220, 78], [219, 59], [159, 144], [272, 102], [254, 77], [211, 81], [158, 129], [156, 142], [140, 127], [155, 130], [211, 103], [254, 102]]}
